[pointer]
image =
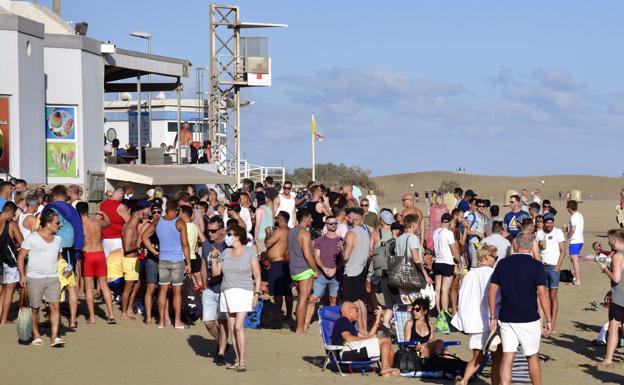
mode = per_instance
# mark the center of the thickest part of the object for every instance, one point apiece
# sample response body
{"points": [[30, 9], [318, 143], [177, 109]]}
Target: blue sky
{"points": [[499, 88]]}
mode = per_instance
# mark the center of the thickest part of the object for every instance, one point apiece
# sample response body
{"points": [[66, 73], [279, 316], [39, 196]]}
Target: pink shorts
{"points": [[94, 264]]}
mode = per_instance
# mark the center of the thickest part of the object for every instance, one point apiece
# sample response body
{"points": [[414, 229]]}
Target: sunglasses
{"points": [[547, 206], [331, 223], [212, 231], [481, 207], [156, 211], [417, 309], [287, 188], [364, 205]]}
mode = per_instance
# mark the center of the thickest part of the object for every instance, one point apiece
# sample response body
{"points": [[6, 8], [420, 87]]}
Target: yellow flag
{"points": [[313, 127]]}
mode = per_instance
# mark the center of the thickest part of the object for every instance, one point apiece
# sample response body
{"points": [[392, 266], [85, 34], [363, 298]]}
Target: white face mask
{"points": [[228, 240]]}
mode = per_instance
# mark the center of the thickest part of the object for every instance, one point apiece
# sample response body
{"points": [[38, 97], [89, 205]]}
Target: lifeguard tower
{"points": [[235, 62]]}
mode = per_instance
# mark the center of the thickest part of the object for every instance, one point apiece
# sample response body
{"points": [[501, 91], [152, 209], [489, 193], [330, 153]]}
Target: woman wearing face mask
{"points": [[239, 292]]}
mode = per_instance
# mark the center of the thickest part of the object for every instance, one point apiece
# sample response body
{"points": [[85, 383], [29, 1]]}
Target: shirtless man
{"points": [[94, 260], [347, 190], [410, 209], [130, 262], [186, 136], [277, 254]]}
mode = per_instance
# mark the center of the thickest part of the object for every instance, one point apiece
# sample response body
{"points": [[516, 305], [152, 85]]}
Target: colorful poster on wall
{"points": [[61, 159], [4, 134], [60, 122]]}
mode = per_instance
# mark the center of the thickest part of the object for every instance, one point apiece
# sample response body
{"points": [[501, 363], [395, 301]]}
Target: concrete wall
{"points": [[92, 102], [22, 79], [76, 78]]}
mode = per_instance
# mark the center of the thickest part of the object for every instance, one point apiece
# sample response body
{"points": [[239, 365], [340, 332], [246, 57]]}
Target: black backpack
{"points": [[191, 303], [271, 316], [380, 255]]}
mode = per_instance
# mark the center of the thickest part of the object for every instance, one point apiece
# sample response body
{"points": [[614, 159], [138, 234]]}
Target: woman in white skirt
{"points": [[239, 292]]}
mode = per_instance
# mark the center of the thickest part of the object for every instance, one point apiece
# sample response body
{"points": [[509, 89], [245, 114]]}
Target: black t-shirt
{"points": [[518, 276], [342, 325]]}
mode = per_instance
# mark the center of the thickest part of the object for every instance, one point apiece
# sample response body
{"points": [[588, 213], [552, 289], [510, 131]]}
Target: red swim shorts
{"points": [[94, 264]]}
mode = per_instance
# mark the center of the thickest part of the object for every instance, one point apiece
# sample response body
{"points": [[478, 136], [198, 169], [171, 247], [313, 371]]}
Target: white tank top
{"points": [[287, 205], [20, 223]]}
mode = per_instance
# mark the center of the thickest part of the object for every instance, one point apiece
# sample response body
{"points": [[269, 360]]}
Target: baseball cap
{"points": [[386, 216], [549, 217], [446, 218], [470, 193]]}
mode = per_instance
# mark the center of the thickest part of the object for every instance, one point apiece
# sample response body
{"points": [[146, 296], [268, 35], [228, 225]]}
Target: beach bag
{"points": [[566, 276], [403, 273], [407, 360], [271, 316], [191, 303], [443, 323], [451, 366], [253, 320], [24, 319]]}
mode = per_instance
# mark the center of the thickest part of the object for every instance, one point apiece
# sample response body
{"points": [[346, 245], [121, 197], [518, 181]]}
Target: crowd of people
{"points": [[323, 246]]}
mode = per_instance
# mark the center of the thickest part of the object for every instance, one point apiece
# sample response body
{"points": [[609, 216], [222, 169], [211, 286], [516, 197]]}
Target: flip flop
{"points": [[231, 366], [111, 321], [181, 327], [58, 343], [242, 368], [37, 342]]}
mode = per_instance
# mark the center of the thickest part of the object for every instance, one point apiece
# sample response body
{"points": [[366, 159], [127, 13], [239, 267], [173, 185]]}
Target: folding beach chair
{"points": [[401, 316], [328, 315]]}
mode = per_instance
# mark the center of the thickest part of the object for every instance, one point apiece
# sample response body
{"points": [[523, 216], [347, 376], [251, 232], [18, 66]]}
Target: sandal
{"points": [[111, 321], [242, 368], [37, 342], [58, 343], [231, 366]]}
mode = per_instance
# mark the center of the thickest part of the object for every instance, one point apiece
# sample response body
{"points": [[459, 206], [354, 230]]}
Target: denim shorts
{"points": [[210, 305], [552, 277], [321, 283], [151, 271]]}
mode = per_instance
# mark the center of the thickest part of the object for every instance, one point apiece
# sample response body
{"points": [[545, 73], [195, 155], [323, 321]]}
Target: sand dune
{"points": [[494, 187]]}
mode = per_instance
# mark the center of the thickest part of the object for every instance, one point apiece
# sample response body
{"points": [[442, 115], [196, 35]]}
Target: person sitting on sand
{"points": [[364, 344], [419, 330]]}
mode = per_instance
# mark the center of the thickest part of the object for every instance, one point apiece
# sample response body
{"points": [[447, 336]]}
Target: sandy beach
{"points": [[132, 353]]}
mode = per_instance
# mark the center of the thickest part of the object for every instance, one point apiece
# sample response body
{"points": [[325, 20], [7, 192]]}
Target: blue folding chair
{"points": [[328, 315], [401, 316]]}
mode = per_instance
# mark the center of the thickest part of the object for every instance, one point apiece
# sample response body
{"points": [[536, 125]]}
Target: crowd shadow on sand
{"points": [[605, 377]]}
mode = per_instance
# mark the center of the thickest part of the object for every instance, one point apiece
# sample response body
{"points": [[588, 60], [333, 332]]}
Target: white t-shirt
{"points": [[577, 220], [408, 241], [503, 246], [245, 215], [42, 256], [442, 241], [550, 255]]}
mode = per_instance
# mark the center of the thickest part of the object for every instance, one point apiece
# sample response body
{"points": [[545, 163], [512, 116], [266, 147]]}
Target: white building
{"points": [[52, 85]]}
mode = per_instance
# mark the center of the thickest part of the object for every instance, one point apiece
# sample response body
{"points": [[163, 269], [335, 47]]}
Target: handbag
{"points": [[407, 360], [403, 273], [24, 319]]}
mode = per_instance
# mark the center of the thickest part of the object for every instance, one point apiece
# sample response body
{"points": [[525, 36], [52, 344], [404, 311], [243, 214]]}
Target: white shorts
{"points": [[371, 345], [9, 274], [236, 300], [111, 244], [478, 340], [527, 334], [210, 306]]}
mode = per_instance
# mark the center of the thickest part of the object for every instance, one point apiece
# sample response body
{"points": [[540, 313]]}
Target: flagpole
{"points": [[313, 157]]}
